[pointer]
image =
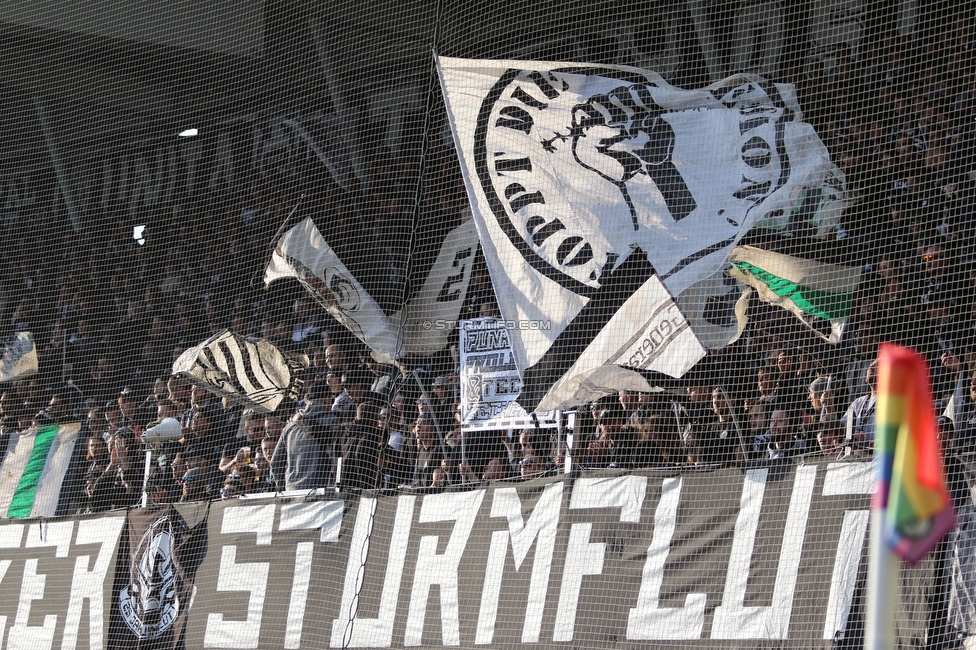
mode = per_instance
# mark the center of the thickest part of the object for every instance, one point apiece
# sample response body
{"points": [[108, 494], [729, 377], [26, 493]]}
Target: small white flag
{"points": [[19, 357]]}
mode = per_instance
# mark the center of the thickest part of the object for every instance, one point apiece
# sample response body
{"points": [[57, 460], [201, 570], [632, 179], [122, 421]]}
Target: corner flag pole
{"points": [[883, 588]]}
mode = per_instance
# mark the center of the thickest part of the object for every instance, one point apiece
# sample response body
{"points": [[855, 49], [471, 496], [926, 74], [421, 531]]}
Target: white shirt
{"points": [[860, 417]]}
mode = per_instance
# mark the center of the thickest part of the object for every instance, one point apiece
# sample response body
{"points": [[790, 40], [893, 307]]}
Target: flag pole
{"points": [[911, 490], [883, 588]]}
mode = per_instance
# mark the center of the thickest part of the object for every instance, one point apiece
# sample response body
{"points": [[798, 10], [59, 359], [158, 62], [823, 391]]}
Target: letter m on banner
{"points": [[539, 529]]}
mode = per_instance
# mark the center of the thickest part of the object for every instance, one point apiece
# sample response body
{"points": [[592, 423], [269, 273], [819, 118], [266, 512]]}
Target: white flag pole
{"points": [[884, 588], [559, 435], [145, 477]]}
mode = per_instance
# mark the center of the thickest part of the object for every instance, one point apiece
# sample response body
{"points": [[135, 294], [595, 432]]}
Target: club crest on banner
{"points": [[149, 604]]}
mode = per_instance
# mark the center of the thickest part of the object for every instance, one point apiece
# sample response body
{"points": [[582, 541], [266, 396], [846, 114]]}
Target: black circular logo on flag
{"points": [[581, 166]]}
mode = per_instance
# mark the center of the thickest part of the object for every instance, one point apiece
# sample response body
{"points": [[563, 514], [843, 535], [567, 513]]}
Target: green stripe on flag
{"points": [[825, 304], [23, 500]]}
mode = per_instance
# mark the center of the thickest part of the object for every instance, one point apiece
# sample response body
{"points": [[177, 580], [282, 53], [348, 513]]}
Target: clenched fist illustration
{"points": [[622, 134]]}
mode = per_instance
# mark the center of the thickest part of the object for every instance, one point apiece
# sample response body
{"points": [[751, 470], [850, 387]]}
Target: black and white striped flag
{"points": [[252, 372]]}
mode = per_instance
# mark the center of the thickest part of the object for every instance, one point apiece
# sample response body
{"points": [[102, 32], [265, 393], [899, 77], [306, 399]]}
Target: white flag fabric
{"points": [[33, 470], [716, 308], [575, 170], [819, 207], [303, 253], [578, 388], [429, 316], [647, 332], [18, 358], [253, 372]]}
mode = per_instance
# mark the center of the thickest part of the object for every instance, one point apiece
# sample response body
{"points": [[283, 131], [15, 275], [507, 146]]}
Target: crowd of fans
{"points": [[110, 315]]}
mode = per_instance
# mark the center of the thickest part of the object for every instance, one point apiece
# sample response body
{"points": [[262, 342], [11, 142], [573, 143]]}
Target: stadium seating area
{"points": [[110, 315]]}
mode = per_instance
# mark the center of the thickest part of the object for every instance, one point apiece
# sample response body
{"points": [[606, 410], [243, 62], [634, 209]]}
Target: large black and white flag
{"points": [[602, 192], [253, 372], [421, 327]]}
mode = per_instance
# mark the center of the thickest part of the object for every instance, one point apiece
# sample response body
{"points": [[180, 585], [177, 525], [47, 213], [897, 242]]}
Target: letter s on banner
{"points": [[249, 576]]}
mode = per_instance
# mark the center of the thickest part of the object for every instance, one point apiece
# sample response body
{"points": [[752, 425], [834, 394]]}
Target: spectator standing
{"points": [[830, 439], [767, 382], [425, 453], [362, 446], [119, 486], [783, 436], [244, 450], [758, 428], [858, 420], [442, 402], [194, 485], [302, 460], [720, 441]]}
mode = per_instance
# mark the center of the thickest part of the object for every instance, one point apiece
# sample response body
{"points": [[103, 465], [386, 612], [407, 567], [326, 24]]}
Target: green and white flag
{"points": [[809, 289], [32, 473]]}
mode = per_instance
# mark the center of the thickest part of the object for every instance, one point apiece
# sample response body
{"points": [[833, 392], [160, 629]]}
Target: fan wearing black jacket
{"points": [[361, 446]]}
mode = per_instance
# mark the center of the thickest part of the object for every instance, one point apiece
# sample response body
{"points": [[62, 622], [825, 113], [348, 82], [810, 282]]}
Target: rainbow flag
{"points": [[911, 479]]}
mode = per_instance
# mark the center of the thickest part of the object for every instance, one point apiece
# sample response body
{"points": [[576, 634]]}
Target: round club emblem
{"points": [[580, 166]]}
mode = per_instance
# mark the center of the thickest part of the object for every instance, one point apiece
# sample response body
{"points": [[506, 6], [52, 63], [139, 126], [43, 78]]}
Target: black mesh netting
{"points": [[487, 323]]}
